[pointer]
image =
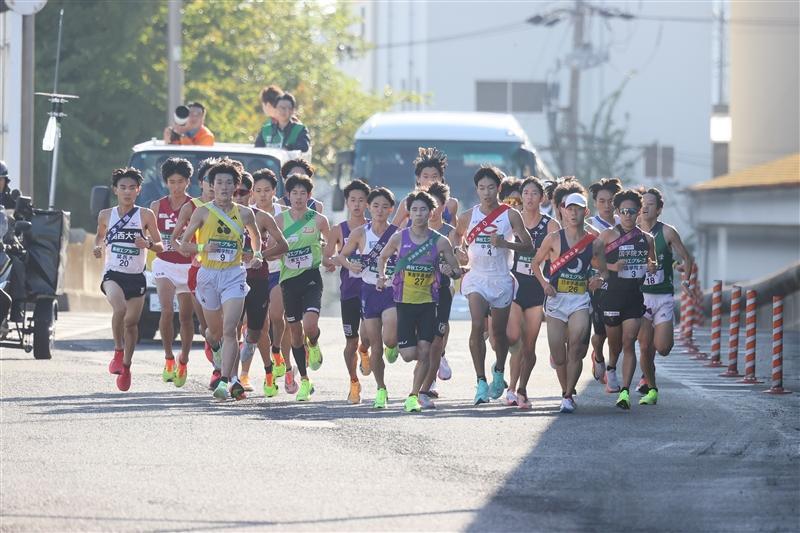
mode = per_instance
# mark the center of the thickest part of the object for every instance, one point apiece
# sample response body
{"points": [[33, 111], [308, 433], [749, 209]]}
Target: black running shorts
{"points": [[256, 303], [530, 292], [132, 285], [415, 322], [596, 313], [443, 310], [619, 306], [351, 317], [302, 294]]}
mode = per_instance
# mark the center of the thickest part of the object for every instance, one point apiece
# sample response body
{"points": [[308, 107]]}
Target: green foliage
{"points": [[114, 57]]}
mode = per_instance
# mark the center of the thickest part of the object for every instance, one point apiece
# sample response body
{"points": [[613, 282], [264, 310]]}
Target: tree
{"points": [[230, 51]]}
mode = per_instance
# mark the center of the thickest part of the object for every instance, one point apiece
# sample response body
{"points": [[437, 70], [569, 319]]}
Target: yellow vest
{"points": [[214, 230]]}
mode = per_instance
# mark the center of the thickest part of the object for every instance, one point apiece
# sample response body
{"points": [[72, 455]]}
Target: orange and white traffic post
{"points": [[750, 340], [733, 334], [716, 325], [777, 347]]}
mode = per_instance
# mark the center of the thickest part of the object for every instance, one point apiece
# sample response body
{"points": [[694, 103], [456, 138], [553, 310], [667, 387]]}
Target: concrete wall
{"points": [[82, 277], [764, 82]]}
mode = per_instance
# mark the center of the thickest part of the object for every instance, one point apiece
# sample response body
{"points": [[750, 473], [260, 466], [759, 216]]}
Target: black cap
{"points": [[4, 170]]}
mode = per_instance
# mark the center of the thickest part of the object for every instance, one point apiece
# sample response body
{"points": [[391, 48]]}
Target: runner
{"points": [[121, 230], [301, 282], [303, 167], [570, 252], [256, 302], [377, 307], [438, 366], [171, 270], [526, 309], [206, 195], [630, 255], [221, 280], [655, 333], [416, 287], [429, 168], [603, 192], [355, 194], [486, 229]]}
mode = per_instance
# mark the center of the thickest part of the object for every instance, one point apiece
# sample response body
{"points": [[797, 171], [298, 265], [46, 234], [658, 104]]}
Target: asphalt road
{"points": [[76, 454]]}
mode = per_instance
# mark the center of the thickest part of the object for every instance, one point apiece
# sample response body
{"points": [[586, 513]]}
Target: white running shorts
{"points": [[659, 308], [499, 291], [176, 273], [563, 305], [215, 287]]}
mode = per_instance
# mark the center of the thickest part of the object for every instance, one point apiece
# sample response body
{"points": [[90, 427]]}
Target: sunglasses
{"points": [[630, 211], [241, 192]]}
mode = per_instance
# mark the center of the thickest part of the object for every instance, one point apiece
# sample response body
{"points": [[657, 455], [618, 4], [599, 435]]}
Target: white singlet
{"points": [[483, 257], [122, 255]]}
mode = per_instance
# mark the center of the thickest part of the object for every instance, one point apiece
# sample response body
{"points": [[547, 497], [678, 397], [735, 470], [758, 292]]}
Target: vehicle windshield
{"points": [[390, 164], [150, 163]]}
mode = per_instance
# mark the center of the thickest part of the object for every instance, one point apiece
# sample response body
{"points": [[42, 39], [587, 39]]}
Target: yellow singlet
{"points": [[230, 245]]}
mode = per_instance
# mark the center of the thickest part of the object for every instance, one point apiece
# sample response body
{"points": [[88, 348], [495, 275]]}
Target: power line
{"points": [[711, 20], [457, 36]]}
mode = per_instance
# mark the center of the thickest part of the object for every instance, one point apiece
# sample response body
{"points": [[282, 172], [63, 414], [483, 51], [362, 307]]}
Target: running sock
{"points": [[499, 369], [223, 379], [275, 350], [299, 354], [215, 348], [313, 342], [353, 380], [268, 369], [522, 390], [609, 367], [624, 389], [481, 378]]}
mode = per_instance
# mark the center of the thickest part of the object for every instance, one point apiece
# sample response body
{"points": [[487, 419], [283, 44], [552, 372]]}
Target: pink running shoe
{"points": [[290, 384], [115, 366], [124, 379]]}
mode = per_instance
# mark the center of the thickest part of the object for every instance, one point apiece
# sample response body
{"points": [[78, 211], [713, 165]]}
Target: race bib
{"points": [[419, 277], [571, 286], [523, 265], [633, 271], [226, 253], [389, 267], [123, 255], [299, 259], [165, 237], [654, 278]]}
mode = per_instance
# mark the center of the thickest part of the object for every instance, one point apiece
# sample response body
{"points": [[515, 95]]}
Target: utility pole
{"points": [[26, 128], [174, 71], [572, 118]]}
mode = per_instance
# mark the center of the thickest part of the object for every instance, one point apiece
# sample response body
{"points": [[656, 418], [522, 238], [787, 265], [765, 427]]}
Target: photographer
{"points": [[6, 200], [188, 127], [283, 130], [16, 279]]}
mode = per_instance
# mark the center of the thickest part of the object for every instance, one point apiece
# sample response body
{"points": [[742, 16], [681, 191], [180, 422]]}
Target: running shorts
{"points": [[563, 305], [375, 302], [351, 317], [176, 273], [191, 281], [597, 312], [499, 291], [659, 308], [530, 292], [302, 294], [132, 285], [217, 286], [619, 306], [443, 310], [256, 303], [415, 322], [274, 279]]}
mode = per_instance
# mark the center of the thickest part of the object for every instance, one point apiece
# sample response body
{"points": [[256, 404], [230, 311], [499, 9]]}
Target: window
{"points": [[510, 96], [491, 96]]}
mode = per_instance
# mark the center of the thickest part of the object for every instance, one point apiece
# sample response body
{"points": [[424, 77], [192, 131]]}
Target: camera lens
{"points": [[181, 115]]}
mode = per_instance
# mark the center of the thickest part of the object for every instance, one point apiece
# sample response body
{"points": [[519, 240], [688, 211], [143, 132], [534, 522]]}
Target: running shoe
{"points": [[511, 397], [244, 379], [354, 397], [522, 401], [567, 405], [278, 365], [314, 356], [246, 351], [221, 391], [445, 372], [115, 366], [651, 398], [498, 384], [425, 401], [168, 374], [432, 392], [642, 387], [270, 387], [598, 369], [365, 366], [216, 375], [624, 400], [391, 353], [209, 352], [290, 383], [306, 390], [612, 383], [412, 404], [482, 392], [124, 379], [237, 391], [217, 357], [180, 375], [381, 397]]}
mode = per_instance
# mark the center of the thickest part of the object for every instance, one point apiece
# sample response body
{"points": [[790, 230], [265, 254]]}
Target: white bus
{"points": [[386, 145]]}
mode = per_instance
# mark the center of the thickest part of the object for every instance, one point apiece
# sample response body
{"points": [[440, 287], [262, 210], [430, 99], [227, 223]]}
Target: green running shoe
{"points": [[180, 375], [380, 399], [270, 387], [216, 356], [168, 374], [221, 392], [624, 400], [412, 404], [391, 353], [314, 355], [306, 390], [279, 369], [651, 398]]}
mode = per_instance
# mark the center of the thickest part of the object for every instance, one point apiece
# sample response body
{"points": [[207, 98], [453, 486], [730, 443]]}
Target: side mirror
{"points": [[338, 198], [100, 199]]}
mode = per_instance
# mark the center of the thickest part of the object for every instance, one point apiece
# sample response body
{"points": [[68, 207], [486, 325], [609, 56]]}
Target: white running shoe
{"points": [[247, 351], [567, 406], [445, 372], [612, 383], [511, 397], [598, 370], [425, 401]]}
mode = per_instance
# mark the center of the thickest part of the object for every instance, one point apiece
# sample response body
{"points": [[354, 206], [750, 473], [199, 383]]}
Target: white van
{"points": [[386, 145]]}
